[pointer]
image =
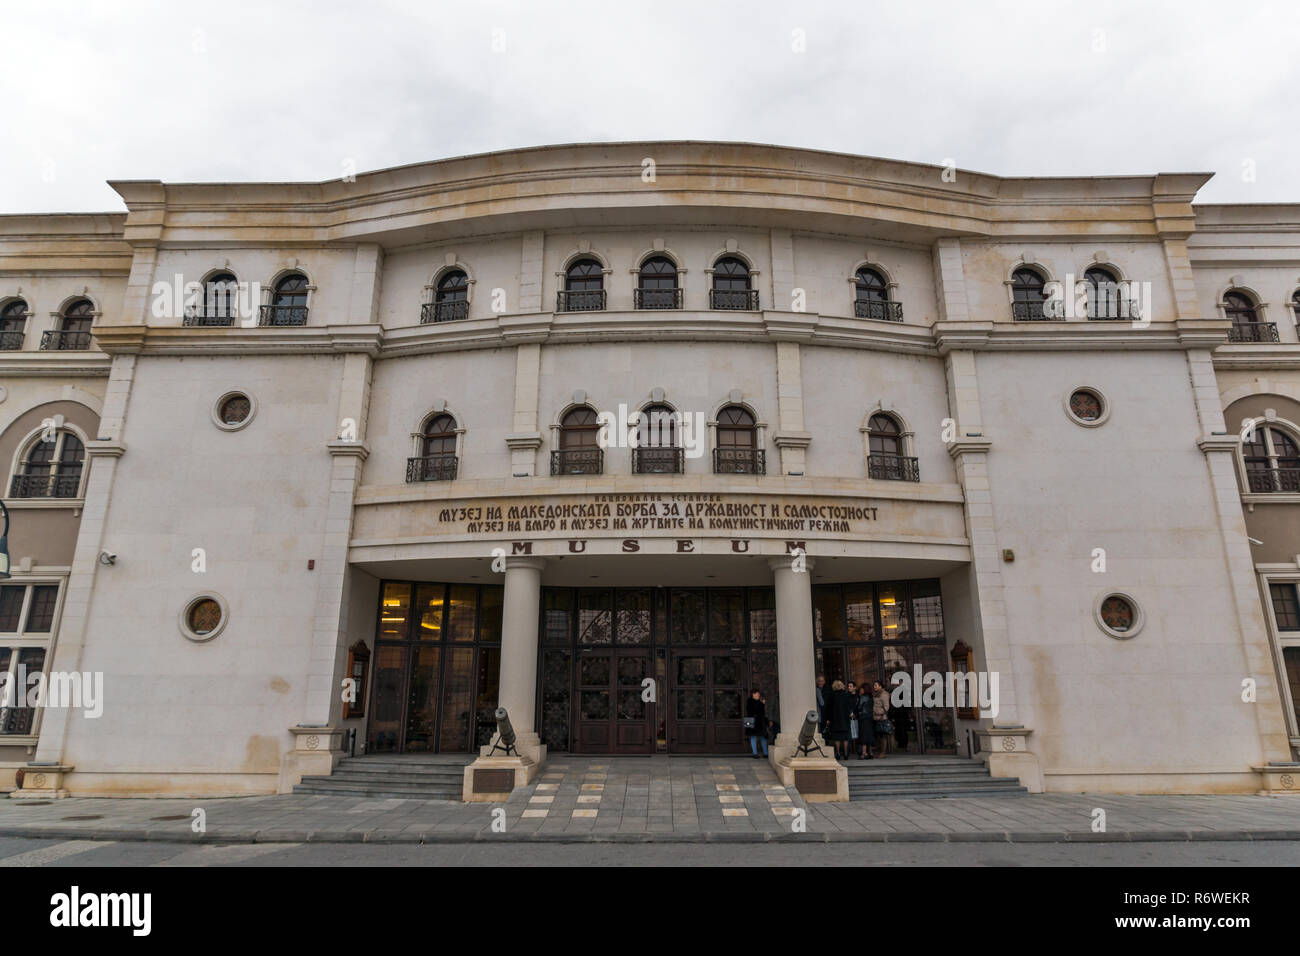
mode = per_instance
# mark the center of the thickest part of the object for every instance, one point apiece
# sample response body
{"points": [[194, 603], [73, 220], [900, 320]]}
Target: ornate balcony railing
{"points": [[577, 461], [893, 468], [62, 485], [1028, 312], [59, 341], [17, 720], [12, 340], [580, 300], [739, 461], [431, 468], [1253, 332], [1273, 480], [875, 309], [218, 319], [734, 300], [657, 298], [450, 310], [282, 315], [658, 461]]}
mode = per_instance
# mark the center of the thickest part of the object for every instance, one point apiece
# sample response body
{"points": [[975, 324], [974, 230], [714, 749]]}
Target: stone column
{"points": [[795, 663], [521, 604]]}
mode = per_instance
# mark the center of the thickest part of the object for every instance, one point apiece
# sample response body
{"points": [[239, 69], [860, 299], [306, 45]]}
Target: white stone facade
{"points": [[1015, 500]]}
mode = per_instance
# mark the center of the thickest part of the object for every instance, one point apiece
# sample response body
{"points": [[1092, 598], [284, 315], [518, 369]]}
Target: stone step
{"points": [[369, 778], [903, 793], [914, 777], [429, 793], [929, 780]]}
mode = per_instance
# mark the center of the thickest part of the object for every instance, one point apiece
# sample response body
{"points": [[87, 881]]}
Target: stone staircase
{"points": [[910, 777], [411, 776]]}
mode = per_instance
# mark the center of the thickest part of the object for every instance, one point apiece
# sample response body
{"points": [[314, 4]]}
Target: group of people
{"points": [[854, 717]]}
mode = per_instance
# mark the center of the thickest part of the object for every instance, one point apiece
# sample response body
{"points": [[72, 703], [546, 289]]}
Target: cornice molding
{"points": [[55, 364], [1079, 336], [300, 340], [1260, 357]]}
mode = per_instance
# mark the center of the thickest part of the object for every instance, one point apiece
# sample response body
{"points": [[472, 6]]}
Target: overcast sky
{"points": [[188, 92]]}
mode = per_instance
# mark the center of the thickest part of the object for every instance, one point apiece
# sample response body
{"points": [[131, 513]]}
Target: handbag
{"points": [[748, 722], [885, 726], [853, 728]]}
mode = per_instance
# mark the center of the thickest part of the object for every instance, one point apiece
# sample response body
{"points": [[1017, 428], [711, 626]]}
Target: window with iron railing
{"points": [[50, 467], [220, 304], [871, 297], [13, 325], [579, 452], [437, 459], [657, 286], [288, 305], [1272, 460], [27, 614], [450, 299], [1028, 296], [893, 468], [732, 289], [584, 288]]}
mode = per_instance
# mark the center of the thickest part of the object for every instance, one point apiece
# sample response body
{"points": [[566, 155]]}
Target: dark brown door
{"points": [[706, 701], [612, 717]]}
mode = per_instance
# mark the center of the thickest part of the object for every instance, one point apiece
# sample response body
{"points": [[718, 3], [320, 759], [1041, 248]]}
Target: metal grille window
{"points": [[584, 288], [737, 452], [1027, 296], [437, 461], [1286, 607], [450, 299], [656, 285], [1295, 305], [885, 458], [288, 303], [871, 297], [13, 323], [50, 468], [579, 452], [1272, 460], [73, 333], [1103, 293], [658, 451], [220, 302], [1246, 325], [732, 286]]}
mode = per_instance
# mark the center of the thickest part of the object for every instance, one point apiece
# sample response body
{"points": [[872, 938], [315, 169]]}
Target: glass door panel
{"points": [[386, 701], [457, 703], [422, 700]]}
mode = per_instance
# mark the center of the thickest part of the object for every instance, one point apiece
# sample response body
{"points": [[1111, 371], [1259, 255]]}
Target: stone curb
{"points": [[478, 835]]}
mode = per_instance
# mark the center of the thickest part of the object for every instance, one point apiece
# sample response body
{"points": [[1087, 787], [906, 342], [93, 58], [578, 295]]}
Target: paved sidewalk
{"points": [[658, 799]]}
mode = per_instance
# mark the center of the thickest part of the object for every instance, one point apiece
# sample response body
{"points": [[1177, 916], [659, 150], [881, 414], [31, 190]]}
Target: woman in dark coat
{"points": [[866, 723], [839, 713], [757, 710]]}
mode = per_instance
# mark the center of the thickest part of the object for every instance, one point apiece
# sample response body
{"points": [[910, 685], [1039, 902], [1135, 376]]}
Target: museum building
{"points": [[610, 435]]}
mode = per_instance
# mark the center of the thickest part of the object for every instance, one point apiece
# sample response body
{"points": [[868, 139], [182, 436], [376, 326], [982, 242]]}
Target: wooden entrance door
{"points": [[612, 717], [706, 701]]}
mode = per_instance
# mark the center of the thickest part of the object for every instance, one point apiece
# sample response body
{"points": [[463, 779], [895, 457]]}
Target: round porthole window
{"points": [[1119, 615], [233, 410], [1087, 407], [204, 617]]}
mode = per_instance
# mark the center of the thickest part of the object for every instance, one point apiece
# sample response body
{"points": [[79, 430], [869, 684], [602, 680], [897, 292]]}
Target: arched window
{"points": [[1295, 305], [288, 302], [732, 286], [1240, 307], [50, 467], [584, 288], [73, 333], [437, 461], [885, 458], [450, 298], [737, 452], [1103, 293], [220, 302], [871, 297], [579, 452], [656, 285], [13, 323], [659, 450], [1272, 459], [1027, 296]]}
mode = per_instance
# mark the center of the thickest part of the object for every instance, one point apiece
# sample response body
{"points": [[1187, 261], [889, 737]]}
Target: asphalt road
{"points": [[79, 853]]}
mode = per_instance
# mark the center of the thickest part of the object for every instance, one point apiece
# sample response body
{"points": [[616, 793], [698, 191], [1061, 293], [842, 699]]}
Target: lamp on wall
{"points": [[4, 545]]}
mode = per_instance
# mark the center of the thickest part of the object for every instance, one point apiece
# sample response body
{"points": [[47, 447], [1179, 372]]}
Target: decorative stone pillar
{"points": [[817, 778], [492, 776]]}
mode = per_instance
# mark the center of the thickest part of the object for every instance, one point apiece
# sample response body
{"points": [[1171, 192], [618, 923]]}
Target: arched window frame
{"points": [[417, 467], [22, 461], [1249, 323], [282, 315], [746, 300], [582, 300], [14, 311], [651, 458], [1295, 305], [62, 339], [889, 309], [760, 435], [1019, 313], [1284, 478], [215, 308], [586, 459], [1115, 307], [678, 300], [433, 309], [906, 467]]}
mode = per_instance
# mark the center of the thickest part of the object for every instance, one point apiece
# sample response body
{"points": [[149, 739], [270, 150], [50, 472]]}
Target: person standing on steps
{"points": [[756, 718]]}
